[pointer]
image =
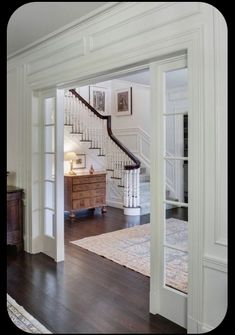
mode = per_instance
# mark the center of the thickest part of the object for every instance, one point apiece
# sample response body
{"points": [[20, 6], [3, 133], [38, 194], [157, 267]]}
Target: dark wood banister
{"points": [[110, 133]]}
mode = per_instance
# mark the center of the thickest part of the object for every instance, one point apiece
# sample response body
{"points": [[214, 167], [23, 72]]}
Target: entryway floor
{"points": [[86, 293]]}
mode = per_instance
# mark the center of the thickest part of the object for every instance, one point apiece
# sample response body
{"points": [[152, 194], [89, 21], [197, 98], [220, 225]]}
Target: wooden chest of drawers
{"points": [[14, 217], [84, 191]]}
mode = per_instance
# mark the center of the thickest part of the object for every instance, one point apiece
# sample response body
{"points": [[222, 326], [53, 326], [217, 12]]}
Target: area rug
{"points": [[130, 247], [23, 320]]}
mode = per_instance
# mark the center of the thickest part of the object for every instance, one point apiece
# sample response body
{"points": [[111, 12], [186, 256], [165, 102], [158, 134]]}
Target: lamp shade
{"points": [[70, 156]]}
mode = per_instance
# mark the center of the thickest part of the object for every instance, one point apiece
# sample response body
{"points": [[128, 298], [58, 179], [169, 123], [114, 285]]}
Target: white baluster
{"points": [[138, 187], [122, 167], [83, 122], [130, 188], [76, 115], [68, 113], [134, 187], [126, 186], [72, 112], [103, 137], [65, 108], [80, 116]]}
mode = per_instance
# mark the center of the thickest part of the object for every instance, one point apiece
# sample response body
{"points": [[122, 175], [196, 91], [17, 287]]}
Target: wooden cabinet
{"points": [[14, 217], [84, 191]]}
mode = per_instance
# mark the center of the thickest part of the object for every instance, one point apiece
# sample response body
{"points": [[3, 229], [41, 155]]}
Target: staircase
{"points": [[94, 128]]}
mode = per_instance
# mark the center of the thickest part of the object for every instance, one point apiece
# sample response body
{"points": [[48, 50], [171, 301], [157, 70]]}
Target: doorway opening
{"points": [[175, 176], [132, 127]]}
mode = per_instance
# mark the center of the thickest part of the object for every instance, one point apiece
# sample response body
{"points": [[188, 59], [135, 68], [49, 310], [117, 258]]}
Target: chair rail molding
{"points": [[129, 35], [140, 142]]}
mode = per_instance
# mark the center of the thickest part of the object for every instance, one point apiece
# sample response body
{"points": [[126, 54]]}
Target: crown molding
{"points": [[74, 24]]}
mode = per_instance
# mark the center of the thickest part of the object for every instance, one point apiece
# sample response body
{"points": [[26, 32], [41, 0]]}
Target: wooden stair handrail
{"points": [[110, 133]]}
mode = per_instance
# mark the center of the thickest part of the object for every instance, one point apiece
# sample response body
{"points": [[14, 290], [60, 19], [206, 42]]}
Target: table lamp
{"points": [[70, 156]]}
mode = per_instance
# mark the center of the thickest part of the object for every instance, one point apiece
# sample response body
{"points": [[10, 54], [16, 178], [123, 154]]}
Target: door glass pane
{"points": [[176, 127], [50, 166], [176, 227], [176, 91], [49, 195], [49, 139], [48, 222], [176, 269], [49, 110], [176, 180]]}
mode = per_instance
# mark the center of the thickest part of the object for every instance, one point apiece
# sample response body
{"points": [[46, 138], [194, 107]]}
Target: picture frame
{"points": [[80, 162], [98, 98], [123, 101]]}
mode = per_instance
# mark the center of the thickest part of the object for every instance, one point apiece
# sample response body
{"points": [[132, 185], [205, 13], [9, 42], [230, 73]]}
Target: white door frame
{"points": [[191, 44]]}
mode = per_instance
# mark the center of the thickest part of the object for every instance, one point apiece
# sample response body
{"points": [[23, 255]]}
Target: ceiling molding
{"points": [[103, 9]]}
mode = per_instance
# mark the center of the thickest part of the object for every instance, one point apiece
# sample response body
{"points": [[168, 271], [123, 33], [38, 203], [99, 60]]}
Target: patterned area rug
{"points": [[130, 247], [23, 319]]}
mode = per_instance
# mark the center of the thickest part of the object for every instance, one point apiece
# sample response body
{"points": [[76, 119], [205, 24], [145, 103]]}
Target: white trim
{"points": [[176, 158], [215, 263], [221, 122], [176, 203]]}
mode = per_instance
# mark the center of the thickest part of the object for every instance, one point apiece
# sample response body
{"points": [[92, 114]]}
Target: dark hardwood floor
{"points": [[86, 293]]}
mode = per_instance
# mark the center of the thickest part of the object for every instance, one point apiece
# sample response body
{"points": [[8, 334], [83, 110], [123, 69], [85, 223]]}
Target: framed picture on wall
{"points": [[98, 98], [80, 162], [123, 101]]}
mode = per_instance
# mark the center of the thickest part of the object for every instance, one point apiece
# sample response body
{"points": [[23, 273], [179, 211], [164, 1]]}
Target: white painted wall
{"points": [[140, 117], [132, 33]]}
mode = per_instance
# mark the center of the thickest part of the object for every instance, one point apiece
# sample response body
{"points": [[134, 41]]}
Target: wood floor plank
{"points": [[86, 293]]}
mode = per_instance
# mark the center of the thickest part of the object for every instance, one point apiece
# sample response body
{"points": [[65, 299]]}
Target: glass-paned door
{"points": [[169, 92], [52, 174]]}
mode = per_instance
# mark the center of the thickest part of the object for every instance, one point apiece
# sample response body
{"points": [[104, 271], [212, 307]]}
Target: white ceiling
{"points": [[35, 20], [173, 78]]}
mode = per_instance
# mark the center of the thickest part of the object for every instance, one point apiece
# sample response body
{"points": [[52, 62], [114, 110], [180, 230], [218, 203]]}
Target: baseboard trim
{"points": [[196, 327], [206, 328], [192, 325], [115, 204], [154, 302]]}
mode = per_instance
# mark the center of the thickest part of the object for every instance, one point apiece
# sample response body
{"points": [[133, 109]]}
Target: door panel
{"points": [[169, 219], [52, 174]]}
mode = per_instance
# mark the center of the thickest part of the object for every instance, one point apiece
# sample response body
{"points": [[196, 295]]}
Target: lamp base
{"points": [[72, 173]]}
